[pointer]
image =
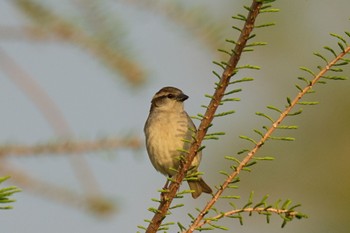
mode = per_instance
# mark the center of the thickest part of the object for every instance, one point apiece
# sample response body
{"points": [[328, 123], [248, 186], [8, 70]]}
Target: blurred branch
{"points": [[24, 33], [70, 147], [48, 26], [51, 24], [95, 203], [6, 193], [196, 21], [42, 100]]}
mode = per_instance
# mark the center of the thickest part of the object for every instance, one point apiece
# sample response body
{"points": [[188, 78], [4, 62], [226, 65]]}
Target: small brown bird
{"points": [[168, 132]]}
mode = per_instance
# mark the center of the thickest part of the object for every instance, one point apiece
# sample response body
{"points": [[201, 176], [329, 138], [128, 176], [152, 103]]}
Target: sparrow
{"points": [[168, 131]]}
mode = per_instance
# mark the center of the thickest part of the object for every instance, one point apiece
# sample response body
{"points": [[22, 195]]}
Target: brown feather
{"points": [[198, 186]]}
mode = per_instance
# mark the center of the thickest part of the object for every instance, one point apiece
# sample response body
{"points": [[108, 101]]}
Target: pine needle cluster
{"points": [[208, 218]]}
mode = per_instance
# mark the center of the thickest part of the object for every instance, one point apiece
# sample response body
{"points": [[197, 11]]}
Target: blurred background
{"points": [[77, 77]]}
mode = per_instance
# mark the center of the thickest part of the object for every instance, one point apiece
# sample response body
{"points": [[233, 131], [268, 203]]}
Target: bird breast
{"points": [[166, 132]]}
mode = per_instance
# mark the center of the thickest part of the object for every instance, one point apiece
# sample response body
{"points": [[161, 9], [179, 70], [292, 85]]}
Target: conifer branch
{"points": [[229, 71], [260, 210], [6, 194], [275, 125]]}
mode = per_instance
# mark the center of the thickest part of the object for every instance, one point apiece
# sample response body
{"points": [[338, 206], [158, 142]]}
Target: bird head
{"points": [[169, 99]]}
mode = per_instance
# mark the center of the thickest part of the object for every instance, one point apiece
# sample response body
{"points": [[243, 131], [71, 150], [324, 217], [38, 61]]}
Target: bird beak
{"points": [[182, 97]]}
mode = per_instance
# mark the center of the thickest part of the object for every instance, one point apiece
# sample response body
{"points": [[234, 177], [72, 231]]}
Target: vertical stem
{"points": [[197, 222], [208, 117]]}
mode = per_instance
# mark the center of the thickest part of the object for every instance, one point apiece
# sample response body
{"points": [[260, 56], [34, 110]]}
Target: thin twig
{"points": [[258, 210], [206, 121], [197, 222]]}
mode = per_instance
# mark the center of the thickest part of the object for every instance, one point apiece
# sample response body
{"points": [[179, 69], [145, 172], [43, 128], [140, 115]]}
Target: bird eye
{"points": [[171, 96]]}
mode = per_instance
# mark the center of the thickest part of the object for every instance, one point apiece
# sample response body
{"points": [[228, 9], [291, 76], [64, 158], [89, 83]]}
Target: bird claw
{"points": [[165, 191]]}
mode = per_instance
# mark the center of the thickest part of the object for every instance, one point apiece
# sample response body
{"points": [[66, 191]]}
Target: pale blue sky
{"points": [[95, 103]]}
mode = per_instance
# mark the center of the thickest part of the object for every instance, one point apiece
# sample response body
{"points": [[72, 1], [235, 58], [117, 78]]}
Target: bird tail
{"points": [[198, 186]]}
